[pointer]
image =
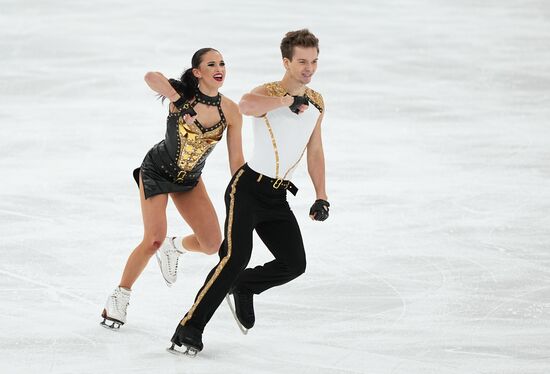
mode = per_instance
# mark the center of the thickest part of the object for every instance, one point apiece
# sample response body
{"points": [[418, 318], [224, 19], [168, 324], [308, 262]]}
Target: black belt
{"points": [[277, 183]]}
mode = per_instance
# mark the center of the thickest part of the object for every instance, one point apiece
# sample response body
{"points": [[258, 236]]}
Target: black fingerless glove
{"points": [[298, 101], [319, 210]]}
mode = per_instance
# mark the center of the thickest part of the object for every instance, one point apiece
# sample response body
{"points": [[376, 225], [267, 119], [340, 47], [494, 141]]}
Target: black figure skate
{"points": [[242, 309], [190, 338]]}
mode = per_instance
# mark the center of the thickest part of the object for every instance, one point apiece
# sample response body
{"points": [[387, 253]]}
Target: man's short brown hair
{"points": [[299, 38]]}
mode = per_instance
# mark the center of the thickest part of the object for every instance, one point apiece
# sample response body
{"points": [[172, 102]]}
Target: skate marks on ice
{"points": [[54, 291], [23, 215], [405, 314], [472, 300]]}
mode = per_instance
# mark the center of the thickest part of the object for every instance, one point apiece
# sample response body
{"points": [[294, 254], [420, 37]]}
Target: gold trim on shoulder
{"points": [[275, 89], [316, 99]]}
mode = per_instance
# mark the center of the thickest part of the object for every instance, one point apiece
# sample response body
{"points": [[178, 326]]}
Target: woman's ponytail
{"points": [[187, 84]]}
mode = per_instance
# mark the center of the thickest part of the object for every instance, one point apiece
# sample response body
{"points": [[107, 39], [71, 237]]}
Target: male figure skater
{"points": [[287, 123]]}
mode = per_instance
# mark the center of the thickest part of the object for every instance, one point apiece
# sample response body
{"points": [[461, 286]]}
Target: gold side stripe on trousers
{"points": [[224, 260]]}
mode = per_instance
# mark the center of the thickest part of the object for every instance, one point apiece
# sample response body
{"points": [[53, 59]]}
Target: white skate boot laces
{"points": [[168, 259], [116, 308], [120, 301]]}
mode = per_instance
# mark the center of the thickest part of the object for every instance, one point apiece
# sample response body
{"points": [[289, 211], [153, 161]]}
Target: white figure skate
{"points": [[115, 308], [168, 257]]}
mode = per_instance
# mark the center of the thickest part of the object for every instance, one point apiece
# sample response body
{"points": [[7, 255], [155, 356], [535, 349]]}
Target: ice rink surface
{"points": [[435, 259]]}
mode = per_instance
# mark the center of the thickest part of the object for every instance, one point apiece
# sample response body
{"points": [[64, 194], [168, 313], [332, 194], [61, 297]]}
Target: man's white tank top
{"points": [[281, 136]]}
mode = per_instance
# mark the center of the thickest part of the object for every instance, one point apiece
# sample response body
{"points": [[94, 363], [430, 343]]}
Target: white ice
{"points": [[437, 139]]}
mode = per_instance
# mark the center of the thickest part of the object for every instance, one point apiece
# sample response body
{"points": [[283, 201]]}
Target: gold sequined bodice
{"points": [[196, 142], [190, 144]]}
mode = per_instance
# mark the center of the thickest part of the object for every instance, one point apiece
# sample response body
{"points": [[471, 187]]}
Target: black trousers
{"points": [[252, 203]]}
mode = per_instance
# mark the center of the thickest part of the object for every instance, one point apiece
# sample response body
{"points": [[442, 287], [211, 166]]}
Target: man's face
{"points": [[303, 64]]}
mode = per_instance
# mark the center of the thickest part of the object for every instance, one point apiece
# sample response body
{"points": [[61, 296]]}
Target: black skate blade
{"points": [[189, 352], [243, 329], [114, 326]]}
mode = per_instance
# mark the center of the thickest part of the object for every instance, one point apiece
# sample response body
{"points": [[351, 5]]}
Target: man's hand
{"points": [[319, 210], [299, 105], [189, 119]]}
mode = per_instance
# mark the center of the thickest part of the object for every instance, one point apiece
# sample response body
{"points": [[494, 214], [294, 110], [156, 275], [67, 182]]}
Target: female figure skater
{"points": [[197, 118]]}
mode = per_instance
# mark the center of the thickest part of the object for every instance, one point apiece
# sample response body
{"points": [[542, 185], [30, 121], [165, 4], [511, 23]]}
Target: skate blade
{"points": [[160, 267], [114, 326], [189, 352], [243, 329]]}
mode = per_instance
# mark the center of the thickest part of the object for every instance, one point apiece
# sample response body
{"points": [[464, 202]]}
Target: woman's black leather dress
{"points": [[175, 164]]}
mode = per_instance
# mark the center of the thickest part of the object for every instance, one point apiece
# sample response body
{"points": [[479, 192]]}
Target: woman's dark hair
{"points": [[188, 83]]}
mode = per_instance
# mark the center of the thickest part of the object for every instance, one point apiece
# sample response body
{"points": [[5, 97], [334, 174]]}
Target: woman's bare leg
{"points": [[197, 210], [153, 211]]}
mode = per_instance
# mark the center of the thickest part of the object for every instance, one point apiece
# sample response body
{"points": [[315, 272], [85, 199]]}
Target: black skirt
{"points": [[161, 175]]}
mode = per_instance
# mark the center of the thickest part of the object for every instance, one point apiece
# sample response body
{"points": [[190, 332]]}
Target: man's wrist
{"points": [[286, 100]]}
